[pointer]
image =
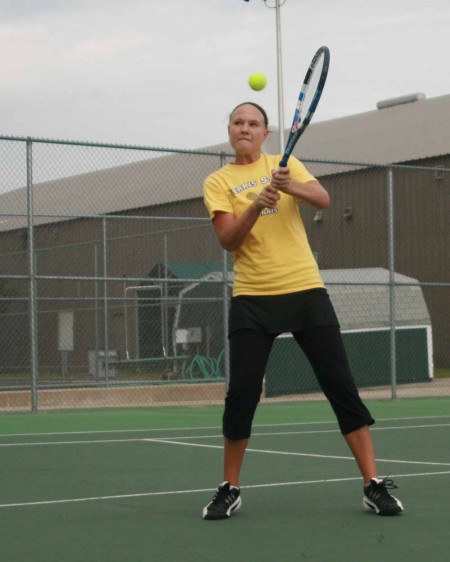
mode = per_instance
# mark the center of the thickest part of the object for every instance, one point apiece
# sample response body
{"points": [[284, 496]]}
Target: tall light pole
{"points": [[279, 77], [277, 5]]}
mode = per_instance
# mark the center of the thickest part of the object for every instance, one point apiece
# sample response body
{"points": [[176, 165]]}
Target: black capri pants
{"points": [[323, 346]]}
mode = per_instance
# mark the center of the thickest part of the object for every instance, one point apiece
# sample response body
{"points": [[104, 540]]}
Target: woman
{"points": [[253, 204]]}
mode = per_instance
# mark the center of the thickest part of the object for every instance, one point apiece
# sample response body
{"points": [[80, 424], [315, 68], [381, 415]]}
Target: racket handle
{"points": [[284, 161]]}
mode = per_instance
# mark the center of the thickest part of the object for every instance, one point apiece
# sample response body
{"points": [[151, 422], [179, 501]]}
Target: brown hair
{"points": [[258, 107]]}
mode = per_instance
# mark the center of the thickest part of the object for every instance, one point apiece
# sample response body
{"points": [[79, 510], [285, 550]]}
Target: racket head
{"points": [[308, 99]]}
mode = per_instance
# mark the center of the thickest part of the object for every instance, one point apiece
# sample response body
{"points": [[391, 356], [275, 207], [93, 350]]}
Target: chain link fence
{"points": [[114, 291]]}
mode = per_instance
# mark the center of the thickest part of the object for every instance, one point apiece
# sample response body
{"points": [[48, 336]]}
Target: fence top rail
{"points": [[115, 145], [206, 152], [109, 216]]}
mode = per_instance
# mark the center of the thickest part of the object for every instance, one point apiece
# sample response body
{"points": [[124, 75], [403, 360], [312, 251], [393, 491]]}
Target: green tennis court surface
{"points": [[130, 485]]}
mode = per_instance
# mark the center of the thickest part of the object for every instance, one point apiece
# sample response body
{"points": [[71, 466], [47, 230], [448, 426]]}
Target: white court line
{"points": [[372, 428], [212, 436], [174, 441], [106, 431], [308, 432], [204, 490], [95, 441], [294, 454]]}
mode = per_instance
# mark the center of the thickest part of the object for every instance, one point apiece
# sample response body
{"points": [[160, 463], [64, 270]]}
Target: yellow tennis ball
{"points": [[257, 81]]}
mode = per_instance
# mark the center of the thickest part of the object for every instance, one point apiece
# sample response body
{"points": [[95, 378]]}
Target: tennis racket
{"points": [[308, 100]]}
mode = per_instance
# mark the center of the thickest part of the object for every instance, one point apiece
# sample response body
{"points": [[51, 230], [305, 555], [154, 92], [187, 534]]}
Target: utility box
{"points": [[188, 335], [97, 364]]}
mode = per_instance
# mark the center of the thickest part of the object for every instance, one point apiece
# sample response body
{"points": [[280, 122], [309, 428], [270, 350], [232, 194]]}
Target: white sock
{"points": [[375, 479]]}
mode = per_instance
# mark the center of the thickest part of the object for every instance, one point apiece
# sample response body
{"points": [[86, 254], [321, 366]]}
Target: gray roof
{"points": [[402, 133], [133, 186], [361, 298], [398, 134]]}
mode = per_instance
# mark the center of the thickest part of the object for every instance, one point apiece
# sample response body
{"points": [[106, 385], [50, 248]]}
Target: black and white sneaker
{"points": [[378, 499], [224, 502]]}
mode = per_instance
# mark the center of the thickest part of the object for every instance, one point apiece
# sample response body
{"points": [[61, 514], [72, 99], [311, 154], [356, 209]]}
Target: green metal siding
{"points": [[289, 372]]}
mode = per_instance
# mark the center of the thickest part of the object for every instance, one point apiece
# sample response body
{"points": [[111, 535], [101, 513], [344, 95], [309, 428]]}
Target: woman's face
{"points": [[247, 130]]}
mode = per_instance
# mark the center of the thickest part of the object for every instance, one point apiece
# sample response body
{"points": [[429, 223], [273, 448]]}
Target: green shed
{"points": [[361, 298]]}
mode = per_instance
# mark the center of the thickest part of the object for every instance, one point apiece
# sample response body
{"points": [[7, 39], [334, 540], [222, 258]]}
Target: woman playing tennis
{"points": [[254, 207]]}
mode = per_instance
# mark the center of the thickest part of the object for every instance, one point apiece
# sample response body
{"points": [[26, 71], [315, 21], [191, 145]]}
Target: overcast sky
{"points": [[167, 73]]}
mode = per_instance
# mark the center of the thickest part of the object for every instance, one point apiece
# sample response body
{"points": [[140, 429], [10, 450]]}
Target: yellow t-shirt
{"points": [[275, 258]]}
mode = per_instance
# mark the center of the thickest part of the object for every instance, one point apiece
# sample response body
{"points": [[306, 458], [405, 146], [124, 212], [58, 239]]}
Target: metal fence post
{"points": [[32, 279], [164, 301], [391, 259], [226, 352], [96, 313], [105, 301], [226, 348]]}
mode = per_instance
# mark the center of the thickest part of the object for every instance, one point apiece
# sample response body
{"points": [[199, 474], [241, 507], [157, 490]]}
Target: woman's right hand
{"points": [[268, 197]]}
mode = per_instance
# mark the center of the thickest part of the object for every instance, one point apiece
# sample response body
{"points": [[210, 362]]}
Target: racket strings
{"points": [[312, 87], [308, 99]]}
